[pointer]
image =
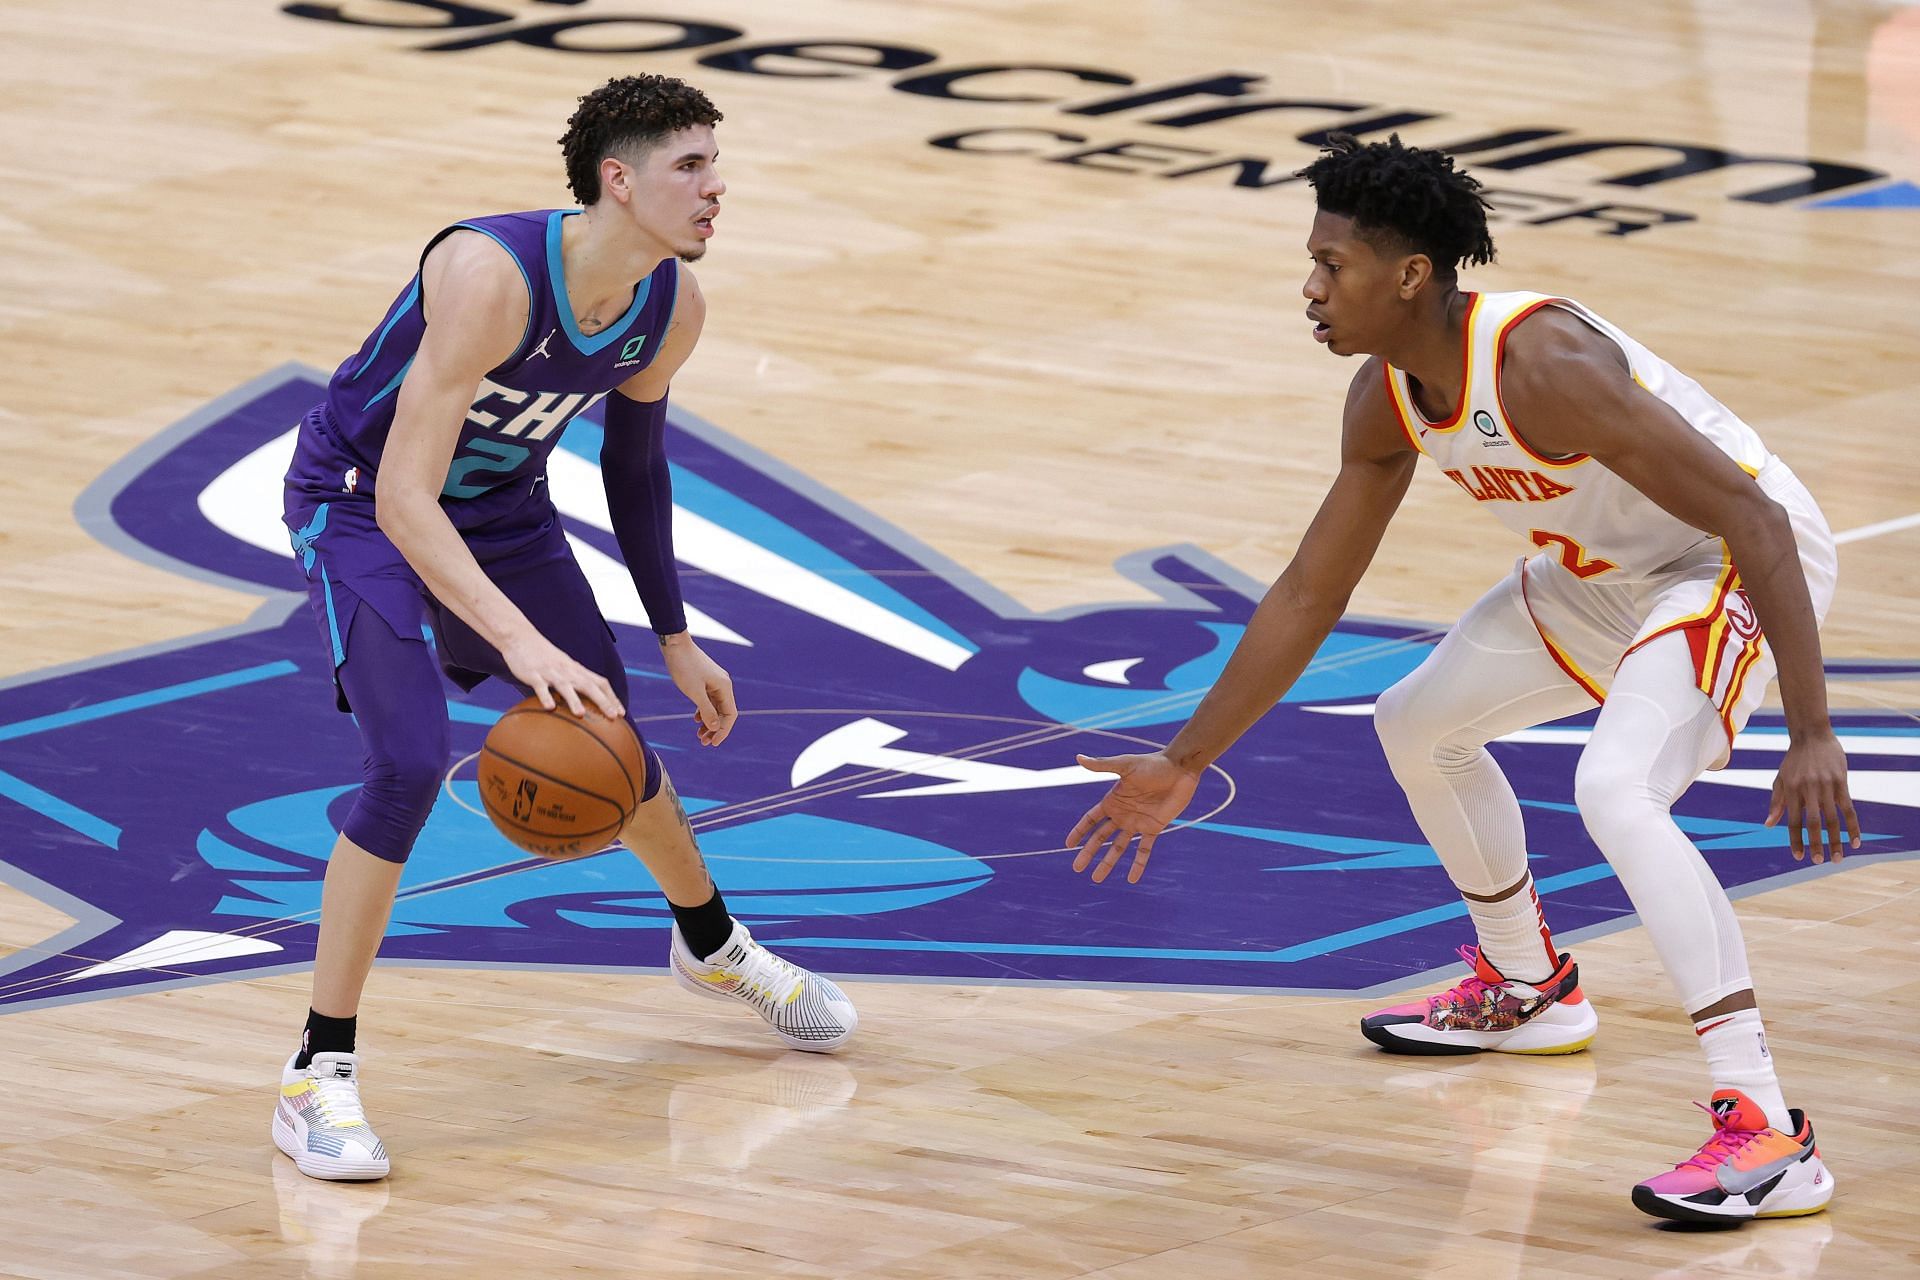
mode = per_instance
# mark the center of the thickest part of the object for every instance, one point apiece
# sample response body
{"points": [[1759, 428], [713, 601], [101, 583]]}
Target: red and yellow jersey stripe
{"points": [[1499, 360], [1412, 421]]}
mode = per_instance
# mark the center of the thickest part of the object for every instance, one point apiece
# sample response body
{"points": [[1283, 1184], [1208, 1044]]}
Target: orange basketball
{"points": [[557, 784]]}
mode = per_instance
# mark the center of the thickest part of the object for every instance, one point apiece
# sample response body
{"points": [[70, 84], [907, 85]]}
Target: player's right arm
{"points": [[1287, 629], [476, 306]]}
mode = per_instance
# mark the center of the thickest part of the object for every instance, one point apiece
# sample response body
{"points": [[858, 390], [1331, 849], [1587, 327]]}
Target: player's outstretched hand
{"points": [[553, 676], [1150, 794], [707, 686], [1810, 792]]}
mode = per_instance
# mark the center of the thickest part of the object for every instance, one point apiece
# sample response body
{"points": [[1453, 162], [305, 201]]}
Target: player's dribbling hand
{"points": [[707, 686], [1810, 792], [541, 666], [1150, 794]]}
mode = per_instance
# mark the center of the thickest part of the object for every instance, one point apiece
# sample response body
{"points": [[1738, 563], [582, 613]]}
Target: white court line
{"points": [[1875, 530]]}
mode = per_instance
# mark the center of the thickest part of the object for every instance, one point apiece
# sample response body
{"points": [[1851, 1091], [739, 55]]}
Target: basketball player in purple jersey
{"points": [[1669, 535], [418, 498]]}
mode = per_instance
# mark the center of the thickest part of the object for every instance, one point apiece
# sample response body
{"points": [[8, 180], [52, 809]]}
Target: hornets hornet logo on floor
{"points": [[891, 803]]}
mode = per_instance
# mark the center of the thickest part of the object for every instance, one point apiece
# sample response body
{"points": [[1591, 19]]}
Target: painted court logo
{"points": [[890, 803]]}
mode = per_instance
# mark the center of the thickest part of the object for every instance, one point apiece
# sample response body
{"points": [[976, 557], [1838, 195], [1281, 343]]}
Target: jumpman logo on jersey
{"points": [[541, 350]]}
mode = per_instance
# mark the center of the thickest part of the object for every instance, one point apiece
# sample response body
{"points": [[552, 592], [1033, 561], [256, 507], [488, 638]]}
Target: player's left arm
{"points": [[633, 466], [1568, 390]]}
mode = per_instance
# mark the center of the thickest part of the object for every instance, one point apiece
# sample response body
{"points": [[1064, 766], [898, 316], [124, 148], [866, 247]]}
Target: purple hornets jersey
{"points": [[521, 407]]}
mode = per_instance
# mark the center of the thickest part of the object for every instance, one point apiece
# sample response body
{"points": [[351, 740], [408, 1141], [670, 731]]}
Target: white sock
{"points": [[1737, 1058], [1513, 935]]}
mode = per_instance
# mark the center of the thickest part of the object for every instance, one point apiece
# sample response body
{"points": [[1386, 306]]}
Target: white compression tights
{"points": [[1657, 732]]}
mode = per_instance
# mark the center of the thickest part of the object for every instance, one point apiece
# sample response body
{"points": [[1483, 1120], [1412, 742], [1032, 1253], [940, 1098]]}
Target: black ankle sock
{"points": [[324, 1035], [705, 928]]}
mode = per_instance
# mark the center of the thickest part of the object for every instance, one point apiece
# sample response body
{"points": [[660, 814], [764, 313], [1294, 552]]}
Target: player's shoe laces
{"points": [[804, 1009], [319, 1122], [1747, 1169], [1489, 1011]]}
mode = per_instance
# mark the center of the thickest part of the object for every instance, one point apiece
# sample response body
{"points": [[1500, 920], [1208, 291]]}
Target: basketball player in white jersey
{"points": [[1679, 563]]}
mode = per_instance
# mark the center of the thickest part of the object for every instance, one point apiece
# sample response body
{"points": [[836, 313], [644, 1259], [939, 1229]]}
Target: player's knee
{"points": [[1610, 790], [387, 820], [1396, 720], [410, 780], [396, 798], [1412, 735]]}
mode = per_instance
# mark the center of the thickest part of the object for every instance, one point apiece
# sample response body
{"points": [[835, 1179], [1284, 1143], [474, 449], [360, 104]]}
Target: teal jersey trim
{"points": [[525, 278], [413, 296], [388, 390], [673, 304], [557, 278], [333, 622]]}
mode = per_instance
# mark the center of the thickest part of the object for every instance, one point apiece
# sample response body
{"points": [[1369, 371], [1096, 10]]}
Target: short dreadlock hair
{"points": [[1411, 196], [625, 118]]}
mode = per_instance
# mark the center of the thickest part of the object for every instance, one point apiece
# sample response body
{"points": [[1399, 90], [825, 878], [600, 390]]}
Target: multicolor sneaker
{"points": [[1747, 1169], [804, 1009], [319, 1123], [1491, 1012]]}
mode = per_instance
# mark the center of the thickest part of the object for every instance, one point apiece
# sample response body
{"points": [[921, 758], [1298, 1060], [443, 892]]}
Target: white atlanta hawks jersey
{"points": [[1600, 526]]}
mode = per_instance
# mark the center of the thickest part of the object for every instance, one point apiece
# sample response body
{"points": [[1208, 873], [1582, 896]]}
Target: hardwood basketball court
{"points": [[1020, 283]]}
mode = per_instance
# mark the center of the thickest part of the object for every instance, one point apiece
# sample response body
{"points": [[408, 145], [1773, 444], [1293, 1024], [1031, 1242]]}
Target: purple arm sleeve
{"points": [[633, 466]]}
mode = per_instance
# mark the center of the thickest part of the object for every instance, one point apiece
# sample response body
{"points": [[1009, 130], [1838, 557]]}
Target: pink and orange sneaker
{"points": [[1491, 1013], [1747, 1169]]}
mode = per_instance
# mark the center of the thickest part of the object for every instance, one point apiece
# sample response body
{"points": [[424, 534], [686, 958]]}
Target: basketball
{"points": [[560, 785]]}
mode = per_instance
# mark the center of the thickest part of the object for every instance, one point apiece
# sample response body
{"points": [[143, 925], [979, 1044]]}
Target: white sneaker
{"points": [[804, 1009], [319, 1123]]}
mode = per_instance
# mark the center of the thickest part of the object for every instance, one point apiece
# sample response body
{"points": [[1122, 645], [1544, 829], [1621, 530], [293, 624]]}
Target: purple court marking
{"points": [[885, 808]]}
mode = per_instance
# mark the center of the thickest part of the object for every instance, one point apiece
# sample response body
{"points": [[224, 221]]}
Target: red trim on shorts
{"points": [[1705, 674], [1553, 650], [1737, 685]]}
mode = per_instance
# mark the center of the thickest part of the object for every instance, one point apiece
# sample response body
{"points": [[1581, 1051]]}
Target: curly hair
{"points": [[626, 117], [1411, 195]]}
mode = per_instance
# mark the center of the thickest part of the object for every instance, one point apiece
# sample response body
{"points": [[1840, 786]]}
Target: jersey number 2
{"points": [[1572, 555]]}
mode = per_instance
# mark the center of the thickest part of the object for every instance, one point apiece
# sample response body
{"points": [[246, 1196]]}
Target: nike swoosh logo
{"points": [[1738, 1182], [1700, 1031]]}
